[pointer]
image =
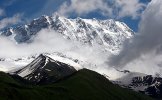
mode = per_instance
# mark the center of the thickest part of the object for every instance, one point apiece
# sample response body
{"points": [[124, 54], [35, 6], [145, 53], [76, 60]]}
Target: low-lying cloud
{"points": [[49, 41], [45, 41]]}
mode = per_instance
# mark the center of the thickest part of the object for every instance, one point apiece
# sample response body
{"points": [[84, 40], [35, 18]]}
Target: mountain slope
{"points": [[108, 33], [83, 85], [13, 63], [146, 84], [44, 69]]}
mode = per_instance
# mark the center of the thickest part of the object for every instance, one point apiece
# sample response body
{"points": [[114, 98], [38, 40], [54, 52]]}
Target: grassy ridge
{"points": [[83, 85]]}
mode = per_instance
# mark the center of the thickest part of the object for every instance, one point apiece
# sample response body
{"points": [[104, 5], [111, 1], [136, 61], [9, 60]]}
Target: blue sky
{"points": [[30, 9]]}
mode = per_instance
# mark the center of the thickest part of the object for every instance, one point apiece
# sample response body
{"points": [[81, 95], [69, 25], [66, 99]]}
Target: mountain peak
{"points": [[108, 33], [44, 69]]}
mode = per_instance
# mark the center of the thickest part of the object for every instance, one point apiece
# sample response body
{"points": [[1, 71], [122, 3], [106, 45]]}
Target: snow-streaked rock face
{"points": [[147, 84], [44, 69], [12, 64], [109, 33]]}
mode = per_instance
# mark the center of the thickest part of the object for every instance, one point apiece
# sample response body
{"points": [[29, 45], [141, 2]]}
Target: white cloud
{"points": [[50, 41], [130, 8], [110, 8], [144, 51], [82, 7], [45, 41], [10, 20]]}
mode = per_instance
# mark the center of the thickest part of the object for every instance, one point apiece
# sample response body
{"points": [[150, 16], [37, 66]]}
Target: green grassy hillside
{"points": [[83, 85]]}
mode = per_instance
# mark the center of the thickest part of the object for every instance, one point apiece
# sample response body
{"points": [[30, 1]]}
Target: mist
{"points": [[45, 41], [49, 41]]}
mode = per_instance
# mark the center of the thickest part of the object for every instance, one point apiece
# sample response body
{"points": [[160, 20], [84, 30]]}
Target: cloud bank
{"points": [[45, 41], [144, 51], [108, 8], [49, 41]]}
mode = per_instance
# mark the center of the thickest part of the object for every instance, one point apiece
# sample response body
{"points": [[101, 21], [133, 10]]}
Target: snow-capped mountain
{"points": [[44, 69], [147, 84], [109, 33], [12, 64]]}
